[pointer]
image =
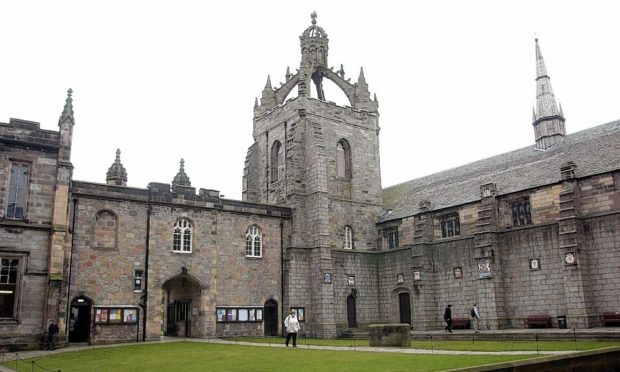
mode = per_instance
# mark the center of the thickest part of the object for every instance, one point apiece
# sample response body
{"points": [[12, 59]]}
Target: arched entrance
{"points": [[351, 311], [404, 306], [271, 318], [79, 319], [182, 298]]}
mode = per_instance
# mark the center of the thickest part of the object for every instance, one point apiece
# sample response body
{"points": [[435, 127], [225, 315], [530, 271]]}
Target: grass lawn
{"points": [[197, 356], [469, 345]]}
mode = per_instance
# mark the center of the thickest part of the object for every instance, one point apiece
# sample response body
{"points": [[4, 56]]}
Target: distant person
{"points": [[447, 316], [475, 315], [292, 327], [52, 334]]}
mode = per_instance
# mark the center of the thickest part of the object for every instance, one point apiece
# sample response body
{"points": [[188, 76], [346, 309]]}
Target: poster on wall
{"points": [[259, 314], [130, 315], [243, 315], [252, 315], [220, 315], [101, 316], [115, 316]]}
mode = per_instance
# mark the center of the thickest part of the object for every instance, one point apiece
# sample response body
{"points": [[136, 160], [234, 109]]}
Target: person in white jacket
{"points": [[292, 327]]}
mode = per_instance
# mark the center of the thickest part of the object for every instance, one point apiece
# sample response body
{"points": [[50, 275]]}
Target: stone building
{"points": [[531, 231], [35, 177]]}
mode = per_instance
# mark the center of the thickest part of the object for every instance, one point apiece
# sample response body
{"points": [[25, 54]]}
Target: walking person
{"points": [[292, 327], [52, 334], [475, 314], [447, 317]]}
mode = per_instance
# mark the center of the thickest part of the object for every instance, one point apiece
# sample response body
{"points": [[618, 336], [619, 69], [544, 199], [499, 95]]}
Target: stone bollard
{"points": [[389, 335]]}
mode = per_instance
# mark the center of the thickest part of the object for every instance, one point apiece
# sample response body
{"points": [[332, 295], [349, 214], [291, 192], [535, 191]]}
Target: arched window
{"points": [[277, 162], [348, 237], [343, 159], [253, 245], [106, 226], [182, 237]]}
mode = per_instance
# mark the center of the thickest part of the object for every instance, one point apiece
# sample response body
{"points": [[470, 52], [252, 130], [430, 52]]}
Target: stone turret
{"points": [[116, 173], [548, 120], [181, 179]]}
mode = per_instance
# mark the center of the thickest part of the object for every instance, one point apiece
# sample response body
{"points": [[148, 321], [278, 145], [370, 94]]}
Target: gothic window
{"points": [[343, 159], [277, 162], [521, 213], [8, 286], [450, 226], [253, 242], [106, 228], [390, 237], [348, 237], [182, 237], [18, 187]]}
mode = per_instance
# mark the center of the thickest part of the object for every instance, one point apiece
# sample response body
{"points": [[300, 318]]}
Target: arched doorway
{"points": [[271, 318], [182, 296], [351, 311], [79, 320], [404, 306]]}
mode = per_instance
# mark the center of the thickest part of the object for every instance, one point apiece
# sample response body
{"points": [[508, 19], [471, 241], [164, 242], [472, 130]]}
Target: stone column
{"points": [[573, 253], [423, 311], [488, 262]]}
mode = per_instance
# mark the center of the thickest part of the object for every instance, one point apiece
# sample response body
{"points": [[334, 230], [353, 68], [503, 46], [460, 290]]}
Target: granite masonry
{"points": [[532, 232]]}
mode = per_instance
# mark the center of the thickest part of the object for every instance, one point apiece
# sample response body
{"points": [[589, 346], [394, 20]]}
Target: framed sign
{"points": [[484, 267], [458, 273], [351, 280], [300, 312], [327, 278], [417, 275]]}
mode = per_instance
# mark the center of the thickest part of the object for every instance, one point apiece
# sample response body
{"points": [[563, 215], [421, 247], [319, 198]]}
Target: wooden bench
{"points": [[610, 319], [461, 323], [538, 321]]}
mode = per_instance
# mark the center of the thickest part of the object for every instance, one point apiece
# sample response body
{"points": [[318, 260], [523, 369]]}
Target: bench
{"points": [[461, 323], [610, 319], [538, 321]]}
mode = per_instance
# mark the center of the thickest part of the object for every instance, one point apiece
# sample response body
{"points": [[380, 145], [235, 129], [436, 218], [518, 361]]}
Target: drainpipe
{"points": [[282, 266], [68, 311], [144, 297]]}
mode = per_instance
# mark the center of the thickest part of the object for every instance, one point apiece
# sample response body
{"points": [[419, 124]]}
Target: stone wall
{"points": [[217, 272], [28, 239]]}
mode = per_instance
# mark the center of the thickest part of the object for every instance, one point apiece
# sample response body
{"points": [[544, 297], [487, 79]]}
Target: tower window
{"points": [[521, 213], [182, 237], [253, 243], [18, 187], [343, 159], [450, 226], [390, 237], [277, 162], [348, 237]]}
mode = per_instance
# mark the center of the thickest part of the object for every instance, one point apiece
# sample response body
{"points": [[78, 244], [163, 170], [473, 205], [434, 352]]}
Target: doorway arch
{"points": [[270, 318], [182, 296], [79, 319], [351, 311]]}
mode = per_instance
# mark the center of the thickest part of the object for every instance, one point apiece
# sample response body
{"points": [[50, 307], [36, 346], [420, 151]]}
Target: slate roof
{"points": [[594, 151]]}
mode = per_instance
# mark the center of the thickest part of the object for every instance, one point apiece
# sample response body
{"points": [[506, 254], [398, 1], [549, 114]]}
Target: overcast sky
{"points": [[165, 80]]}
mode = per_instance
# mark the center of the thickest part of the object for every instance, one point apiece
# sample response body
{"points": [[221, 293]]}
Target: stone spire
{"points": [[548, 120], [181, 179], [67, 112], [268, 98], [116, 173]]}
